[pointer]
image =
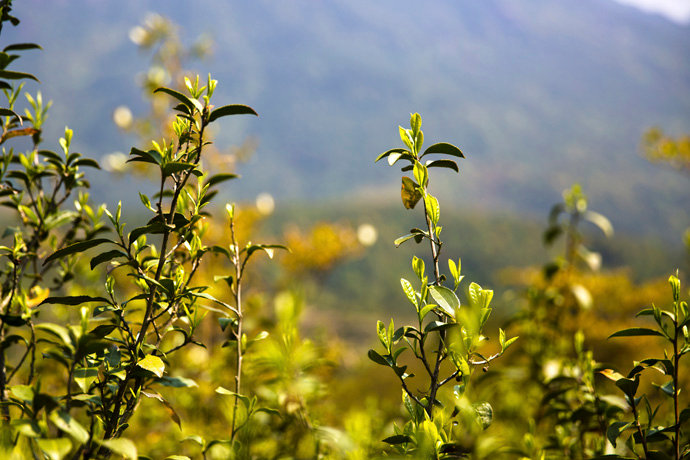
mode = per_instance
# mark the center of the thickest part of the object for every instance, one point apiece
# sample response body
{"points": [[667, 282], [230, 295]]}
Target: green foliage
{"points": [[447, 337], [82, 362], [644, 433]]}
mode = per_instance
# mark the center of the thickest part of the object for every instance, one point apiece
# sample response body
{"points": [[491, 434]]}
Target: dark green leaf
{"points": [[267, 248], [73, 300], [106, 257], [450, 164], [438, 326], [218, 178], [102, 330], [233, 109], [9, 113], [9, 75], [175, 166], [189, 102], [21, 46], [87, 162], [444, 148], [76, 247], [177, 382], [391, 151], [377, 358], [614, 431], [629, 386], [397, 439], [13, 320], [150, 156], [156, 228], [636, 331]]}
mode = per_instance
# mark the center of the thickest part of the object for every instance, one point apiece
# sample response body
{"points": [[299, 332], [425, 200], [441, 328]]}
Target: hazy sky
{"points": [[678, 10]]}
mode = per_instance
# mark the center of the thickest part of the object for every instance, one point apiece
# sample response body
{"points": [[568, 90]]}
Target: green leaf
{"points": [[401, 153], [485, 414], [233, 109], [409, 236], [58, 331], [636, 331], [397, 439], [450, 164], [377, 358], [73, 300], [91, 163], [415, 122], [189, 102], [13, 320], [245, 400], [55, 448], [479, 298], [629, 386], [121, 446], [383, 337], [409, 291], [614, 431], [149, 156], [444, 148], [21, 46], [172, 167], [155, 228], [23, 392], [177, 382], [418, 267], [438, 326], [218, 178], [106, 257], [267, 248], [85, 377], [9, 75], [76, 247], [432, 208], [152, 364], [9, 113], [69, 425], [421, 174], [406, 137], [445, 298]]}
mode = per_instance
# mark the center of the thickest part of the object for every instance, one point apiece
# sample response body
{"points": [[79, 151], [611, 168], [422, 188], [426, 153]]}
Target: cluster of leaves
{"points": [[643, 433], [445, 330], [149, 308]]}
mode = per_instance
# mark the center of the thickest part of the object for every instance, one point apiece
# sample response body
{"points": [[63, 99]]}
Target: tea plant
{"points": [[566, 405], [643, 436], [36, 185], [446, 340]]}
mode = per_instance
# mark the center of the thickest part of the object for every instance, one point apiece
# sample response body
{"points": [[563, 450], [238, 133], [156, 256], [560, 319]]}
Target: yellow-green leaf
{"points": [[152, 364]]}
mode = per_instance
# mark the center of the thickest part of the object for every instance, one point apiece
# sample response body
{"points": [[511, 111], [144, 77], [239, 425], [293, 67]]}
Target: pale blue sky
{"points": [[678, 10]]}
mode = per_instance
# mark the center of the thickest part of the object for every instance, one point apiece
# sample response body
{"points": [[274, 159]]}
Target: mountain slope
{"points": [[538, 94]]}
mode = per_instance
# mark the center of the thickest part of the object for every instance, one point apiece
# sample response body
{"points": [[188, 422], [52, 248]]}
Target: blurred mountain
{"points": [[539, 94]]}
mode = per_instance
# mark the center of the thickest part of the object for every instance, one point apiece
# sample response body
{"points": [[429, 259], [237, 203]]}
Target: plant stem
{"points": [[237, 291], [676, 362]]}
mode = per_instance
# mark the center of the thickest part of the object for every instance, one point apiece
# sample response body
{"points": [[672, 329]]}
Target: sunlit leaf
{"points": [[409, 193]]}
